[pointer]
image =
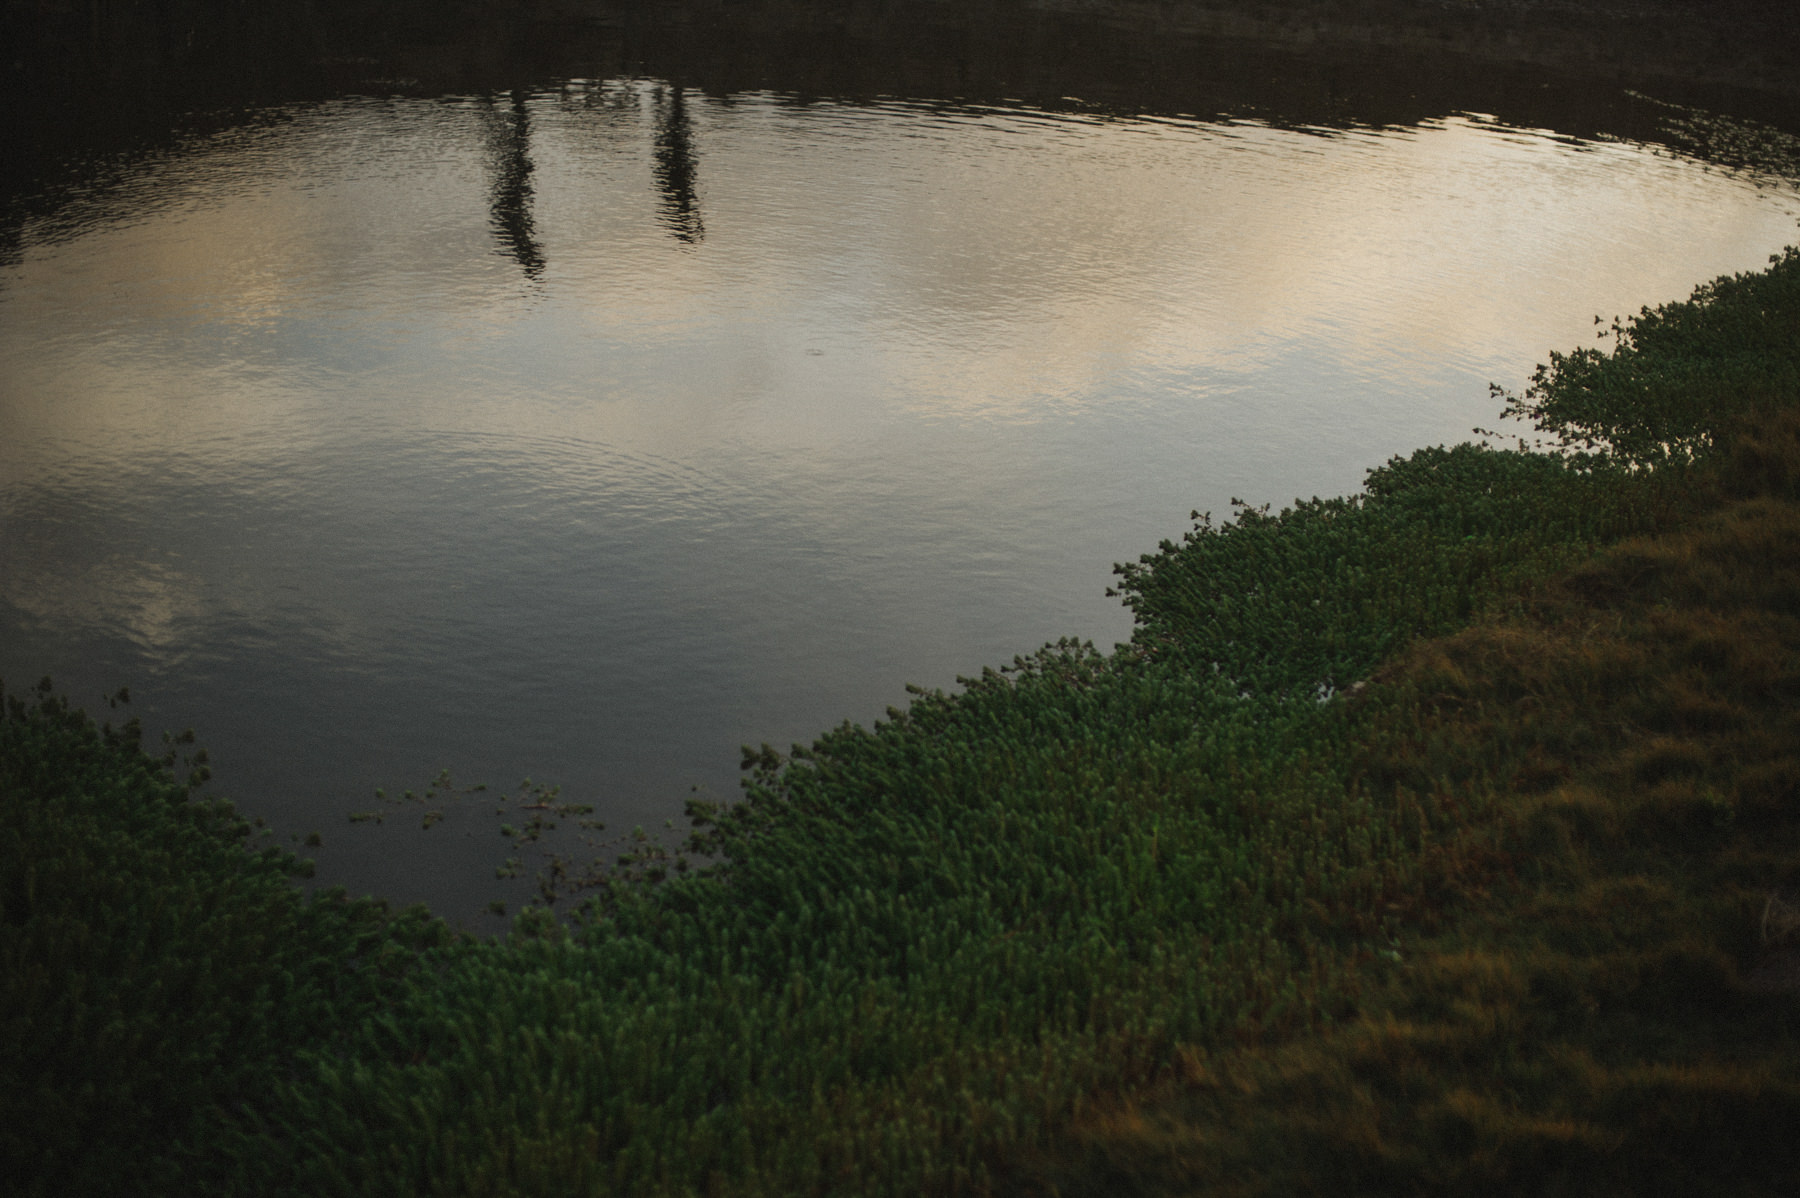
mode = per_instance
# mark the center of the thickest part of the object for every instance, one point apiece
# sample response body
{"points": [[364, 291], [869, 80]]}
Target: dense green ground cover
{"points": [[927, 949], [155, 972], [1606, 1000]]}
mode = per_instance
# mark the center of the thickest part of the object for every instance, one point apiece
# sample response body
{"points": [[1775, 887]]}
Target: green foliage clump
{"points": [[923, 942], [157, 972], [1314, 598], [1676, 371]]}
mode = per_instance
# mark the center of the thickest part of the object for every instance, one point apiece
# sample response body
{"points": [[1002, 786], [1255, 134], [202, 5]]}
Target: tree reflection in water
{"points": [[680, 208], [509, 198]]}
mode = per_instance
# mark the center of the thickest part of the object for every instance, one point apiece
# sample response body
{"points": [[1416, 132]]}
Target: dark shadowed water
{"points": [[589, 428]]}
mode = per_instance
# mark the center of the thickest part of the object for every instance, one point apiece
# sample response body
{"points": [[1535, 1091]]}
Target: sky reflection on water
{"points": [[591, 432]]}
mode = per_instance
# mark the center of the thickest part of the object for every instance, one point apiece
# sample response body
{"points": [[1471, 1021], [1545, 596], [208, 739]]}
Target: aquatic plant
{"points": [[1675, 372], [158, 970]]}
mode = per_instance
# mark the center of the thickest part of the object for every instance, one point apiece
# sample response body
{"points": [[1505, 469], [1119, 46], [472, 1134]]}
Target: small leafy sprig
{"points": [[528, 816]]}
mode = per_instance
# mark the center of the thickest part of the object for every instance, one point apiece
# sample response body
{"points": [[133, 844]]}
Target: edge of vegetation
{"points": [[1602, 995], [1418, 841]]}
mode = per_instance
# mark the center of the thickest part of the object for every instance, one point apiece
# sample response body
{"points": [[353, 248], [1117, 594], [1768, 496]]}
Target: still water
{"points": [[589, 431]]}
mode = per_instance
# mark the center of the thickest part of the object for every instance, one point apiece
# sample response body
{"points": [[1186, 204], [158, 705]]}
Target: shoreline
{"points": [[1496, 917], [1747, 44]]}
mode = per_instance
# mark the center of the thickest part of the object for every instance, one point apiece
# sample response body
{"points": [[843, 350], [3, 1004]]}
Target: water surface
{"points": [[589, 431]]}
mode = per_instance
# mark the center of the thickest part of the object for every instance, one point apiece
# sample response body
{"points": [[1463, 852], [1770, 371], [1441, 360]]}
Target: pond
{"points": [[588, 427]]}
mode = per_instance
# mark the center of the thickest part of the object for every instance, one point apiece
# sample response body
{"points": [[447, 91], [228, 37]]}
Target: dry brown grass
{"points": [[1601, 994]]}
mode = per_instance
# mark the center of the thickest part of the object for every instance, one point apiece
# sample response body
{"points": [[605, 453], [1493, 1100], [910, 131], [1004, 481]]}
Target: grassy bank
{"points": [[1605, 997], [1480, 777], [1740, 43]]}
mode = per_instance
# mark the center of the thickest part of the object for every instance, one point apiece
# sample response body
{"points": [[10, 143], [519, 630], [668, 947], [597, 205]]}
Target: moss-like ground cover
{"points": [[1420, 841], [1604, 998]]}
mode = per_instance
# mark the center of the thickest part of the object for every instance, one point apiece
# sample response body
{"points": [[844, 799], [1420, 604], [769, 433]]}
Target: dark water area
{"points": [[583, 393], [118, 71]]}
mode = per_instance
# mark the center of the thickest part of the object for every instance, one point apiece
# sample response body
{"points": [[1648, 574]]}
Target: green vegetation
{"points": [[1602, 996], [1285, 895], [157, 974]]}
